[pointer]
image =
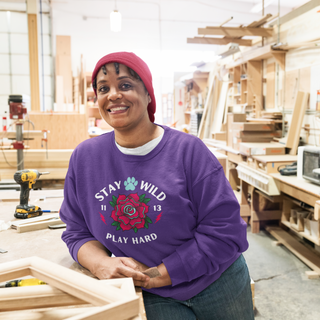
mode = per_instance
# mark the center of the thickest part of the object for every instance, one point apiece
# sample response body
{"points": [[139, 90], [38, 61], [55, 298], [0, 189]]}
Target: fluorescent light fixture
{"points": [[258, 6], [232, 49], [115, 21]]}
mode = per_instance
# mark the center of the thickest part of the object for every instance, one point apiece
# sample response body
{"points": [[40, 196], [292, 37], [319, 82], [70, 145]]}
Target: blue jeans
{"points": [[228, 298]]}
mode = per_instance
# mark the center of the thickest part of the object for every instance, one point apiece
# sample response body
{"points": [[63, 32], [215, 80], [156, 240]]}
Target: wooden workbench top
{"points": [[276, 158], [301, 184]]}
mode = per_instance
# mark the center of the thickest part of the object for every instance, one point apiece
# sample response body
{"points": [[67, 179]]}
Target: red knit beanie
{"points": [[136, 64]]}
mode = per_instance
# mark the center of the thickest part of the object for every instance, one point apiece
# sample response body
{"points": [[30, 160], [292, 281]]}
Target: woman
{"points": [[155, 197]]}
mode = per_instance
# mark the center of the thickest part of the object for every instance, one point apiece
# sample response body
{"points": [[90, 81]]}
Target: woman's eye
{"points": [[125, 86], [103, 89]]}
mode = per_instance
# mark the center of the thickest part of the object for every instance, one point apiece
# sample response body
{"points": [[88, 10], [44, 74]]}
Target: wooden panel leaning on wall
{"points": [[67, 130]]}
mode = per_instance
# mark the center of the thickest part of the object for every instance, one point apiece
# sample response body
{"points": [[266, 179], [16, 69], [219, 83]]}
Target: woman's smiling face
{"points": [[123, 99]]}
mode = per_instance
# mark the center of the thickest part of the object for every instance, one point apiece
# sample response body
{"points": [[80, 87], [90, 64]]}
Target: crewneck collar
{"points": [[150, 155]]}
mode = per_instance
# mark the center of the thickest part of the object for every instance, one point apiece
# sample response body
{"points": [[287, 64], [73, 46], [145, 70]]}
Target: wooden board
{"points": [[270, 96], [236, 31], [218, 115], [219, 41], [254, 83], [34, 62], [309, 258], [38, 225], [300, 108]]}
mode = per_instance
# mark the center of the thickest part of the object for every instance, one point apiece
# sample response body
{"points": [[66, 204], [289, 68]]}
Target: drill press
{"points": [[17, 111], [27, 178]]}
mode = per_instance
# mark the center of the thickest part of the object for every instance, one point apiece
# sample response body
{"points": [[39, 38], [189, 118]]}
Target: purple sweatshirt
{"points": [[173, 205]]}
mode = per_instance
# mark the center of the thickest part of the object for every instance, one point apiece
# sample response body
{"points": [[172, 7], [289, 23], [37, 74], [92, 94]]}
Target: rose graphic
{"points": [[129, 212]]}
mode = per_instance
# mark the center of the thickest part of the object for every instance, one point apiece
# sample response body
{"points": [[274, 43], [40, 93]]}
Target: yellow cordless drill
{"points": [[27, 178]]}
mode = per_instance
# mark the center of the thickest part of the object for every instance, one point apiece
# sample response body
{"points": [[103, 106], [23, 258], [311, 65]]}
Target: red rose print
{"points": [[130, 212]]}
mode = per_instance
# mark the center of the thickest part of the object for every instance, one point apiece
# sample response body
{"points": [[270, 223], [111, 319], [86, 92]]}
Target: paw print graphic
{"points": [[130, 184]]}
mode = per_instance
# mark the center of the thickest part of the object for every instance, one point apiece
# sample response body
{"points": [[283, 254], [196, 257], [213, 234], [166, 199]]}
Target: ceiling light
{"points": [[258, 6], [115, 19]]}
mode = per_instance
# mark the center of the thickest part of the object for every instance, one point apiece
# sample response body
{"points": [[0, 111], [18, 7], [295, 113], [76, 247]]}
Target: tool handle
{"points": [[24, 194]]}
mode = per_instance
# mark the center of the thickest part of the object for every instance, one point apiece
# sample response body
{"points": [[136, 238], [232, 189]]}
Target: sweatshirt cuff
{"points": [[175, 269], [78, 245]]}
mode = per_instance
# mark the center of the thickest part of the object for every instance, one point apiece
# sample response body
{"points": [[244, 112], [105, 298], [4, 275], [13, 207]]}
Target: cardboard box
{"points": [[253, 126], [251, 149]]}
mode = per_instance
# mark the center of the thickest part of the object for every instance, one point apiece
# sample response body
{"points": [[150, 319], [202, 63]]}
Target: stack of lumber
{"points": [[253, 132]]}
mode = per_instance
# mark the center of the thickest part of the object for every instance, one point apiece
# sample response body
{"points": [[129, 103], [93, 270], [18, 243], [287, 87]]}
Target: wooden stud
{"points": [[220, 41], [236, 31], [34, 62], [280, 57]]}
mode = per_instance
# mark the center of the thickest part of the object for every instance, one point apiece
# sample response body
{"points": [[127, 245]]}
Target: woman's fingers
{"points": [[134, 274]]}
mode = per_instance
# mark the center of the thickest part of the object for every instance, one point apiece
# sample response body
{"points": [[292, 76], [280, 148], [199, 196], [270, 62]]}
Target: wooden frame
{"points": [[109, 301]]}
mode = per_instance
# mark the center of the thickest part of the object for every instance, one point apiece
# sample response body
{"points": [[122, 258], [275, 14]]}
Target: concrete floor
{"points": [[282, 290]]}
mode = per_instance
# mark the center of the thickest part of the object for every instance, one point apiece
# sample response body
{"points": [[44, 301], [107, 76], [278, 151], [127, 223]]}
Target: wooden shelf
{"points": [[237, 95], [260, 53], [243, 79], [302, 233]]}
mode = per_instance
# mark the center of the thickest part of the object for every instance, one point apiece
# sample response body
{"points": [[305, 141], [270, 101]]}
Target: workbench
{"points": [[272, 197], [44, 243]]}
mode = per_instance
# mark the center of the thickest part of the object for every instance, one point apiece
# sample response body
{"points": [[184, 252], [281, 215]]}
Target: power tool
{"points": [[22, 283], [27, 178]]}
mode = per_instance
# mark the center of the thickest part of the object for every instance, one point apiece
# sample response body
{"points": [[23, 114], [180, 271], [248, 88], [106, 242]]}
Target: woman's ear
{"points": [[149, 98]]}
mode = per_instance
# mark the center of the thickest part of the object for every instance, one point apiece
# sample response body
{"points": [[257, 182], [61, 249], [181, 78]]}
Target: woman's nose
{"points": [[114, 94]]}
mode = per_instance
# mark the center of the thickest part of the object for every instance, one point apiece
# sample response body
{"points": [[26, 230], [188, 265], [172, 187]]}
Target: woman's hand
{"points": [[163, 280], [121, 267]]}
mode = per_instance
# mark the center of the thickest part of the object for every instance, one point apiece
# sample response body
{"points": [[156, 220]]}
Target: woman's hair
{"points": [[116, 65]]}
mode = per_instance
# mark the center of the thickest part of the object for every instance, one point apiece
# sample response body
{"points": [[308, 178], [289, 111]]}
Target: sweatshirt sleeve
{"points": [[77, 232], [220, 233]]}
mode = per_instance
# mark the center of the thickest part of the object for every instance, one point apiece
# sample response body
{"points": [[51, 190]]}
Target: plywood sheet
{"points": [[67, 130]]}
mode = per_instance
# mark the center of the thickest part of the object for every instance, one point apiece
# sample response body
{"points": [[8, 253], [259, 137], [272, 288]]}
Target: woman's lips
{"points": [[118, 109]]}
